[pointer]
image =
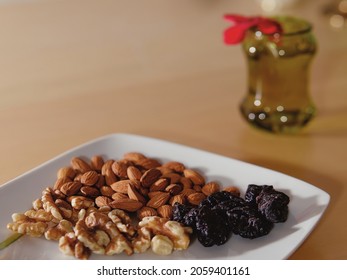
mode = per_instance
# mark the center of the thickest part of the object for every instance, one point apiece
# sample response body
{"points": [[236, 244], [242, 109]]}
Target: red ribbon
{"points": [[236, 33]]}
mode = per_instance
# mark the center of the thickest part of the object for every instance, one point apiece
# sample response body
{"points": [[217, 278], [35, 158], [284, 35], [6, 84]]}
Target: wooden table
{"points": [[71, 71]]}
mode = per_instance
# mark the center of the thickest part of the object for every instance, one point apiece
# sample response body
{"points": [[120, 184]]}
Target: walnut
{"points": [[69, 245], [122, 221], [101, 235], [31, 228], [29, 225], [81, 202], [55, 233], [49, 204], [177, 233], [39, 215], [161, 245], [143, 240]]}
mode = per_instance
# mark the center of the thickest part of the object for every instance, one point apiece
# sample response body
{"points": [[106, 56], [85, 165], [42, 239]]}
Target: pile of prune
{"points": [[223, 213]]}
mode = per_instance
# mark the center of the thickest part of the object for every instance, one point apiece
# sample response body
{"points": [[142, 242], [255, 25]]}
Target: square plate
{"points": [[306, 207]]}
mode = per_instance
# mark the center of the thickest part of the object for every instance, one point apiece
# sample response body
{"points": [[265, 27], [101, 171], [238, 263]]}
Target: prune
{"points": [[211, 228], [253, 191], [179, 212], [273, 205], [217, 198], [222, 213], [247, 222], [234, 201], [191, 217]]}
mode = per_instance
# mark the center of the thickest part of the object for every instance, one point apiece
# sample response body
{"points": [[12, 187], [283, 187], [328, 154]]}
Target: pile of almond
{"points": [[134, 183]]}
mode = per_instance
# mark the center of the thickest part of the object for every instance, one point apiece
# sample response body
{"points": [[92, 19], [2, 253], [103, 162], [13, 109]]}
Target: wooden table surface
{"points": [[71, 71]]}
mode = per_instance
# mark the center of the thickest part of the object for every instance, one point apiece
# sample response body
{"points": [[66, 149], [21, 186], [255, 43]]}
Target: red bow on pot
{"points": [[236, 33]]}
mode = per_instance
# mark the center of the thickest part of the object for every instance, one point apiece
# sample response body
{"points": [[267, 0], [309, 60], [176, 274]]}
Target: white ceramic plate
{"points": [[306, 206]]}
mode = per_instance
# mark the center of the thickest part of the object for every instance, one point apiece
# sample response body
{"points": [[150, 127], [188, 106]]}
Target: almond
{"points": [[134, 173], [101, 201], [60, 182], [160, 184], [194, 176], [70, 188], [186, 182], [107, 191], [134, 194], [179, 198], [148, 163], [96, 163], [90, 191], [117, 196], [80, 165], [165, 211], [175, 166], [186, 192], [210, 188], [196, 198], [153, 194], [121, 186], [197, 188], [120, 169], [149, 177], [173, 177], [66, 172], [107, 165], [90, 178], [158, 200], [126, 204], [110, 177], [101, 181], [233, 190], [134, 156], [146, 212], [174, 189]]}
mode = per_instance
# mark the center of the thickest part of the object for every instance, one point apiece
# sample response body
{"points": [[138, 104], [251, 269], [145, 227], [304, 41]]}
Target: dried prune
{"points": [[211, 228], [222, 213], [273, 205], [247, 222], [217, 198], [179, 212], [253, 191]]}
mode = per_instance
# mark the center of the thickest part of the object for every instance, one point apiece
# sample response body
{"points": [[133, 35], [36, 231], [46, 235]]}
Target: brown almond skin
{"points": [[158, 200], [120, 169], [196, 198], [106, 191], [80, 165], [97, 162], [174, 189], [159, 185], [165, 211], [149, 177], [66, 172], [134, 194], [134, 173], [71, 188], [175, 166], [210, 188], [121, 186], [194, 176], [101, 201], [146, 211], [126, 204], [90, 191], [90, 178]]}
